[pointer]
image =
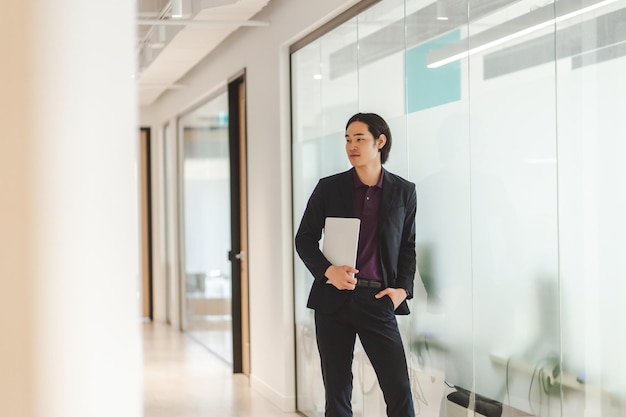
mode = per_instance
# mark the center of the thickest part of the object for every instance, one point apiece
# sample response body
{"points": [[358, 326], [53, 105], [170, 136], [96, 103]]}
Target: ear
{"points": [[381, 141]]}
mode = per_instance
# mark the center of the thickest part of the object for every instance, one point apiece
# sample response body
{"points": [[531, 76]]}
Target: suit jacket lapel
{"points": [[347, 197], [386, 200]]}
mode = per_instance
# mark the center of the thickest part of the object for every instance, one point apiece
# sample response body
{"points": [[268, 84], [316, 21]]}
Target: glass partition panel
{"points": [[306, 96], [380, 58], [206, 172], [591, 97], [515, 264], [437, 101], [324, 86], [169, 220]]}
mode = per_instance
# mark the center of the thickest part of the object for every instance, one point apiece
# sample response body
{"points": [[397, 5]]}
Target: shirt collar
{"points": [[358, 183]]}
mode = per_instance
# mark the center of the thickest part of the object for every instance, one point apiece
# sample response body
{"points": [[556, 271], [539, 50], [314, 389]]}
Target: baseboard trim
{"points": [[287, 404]]}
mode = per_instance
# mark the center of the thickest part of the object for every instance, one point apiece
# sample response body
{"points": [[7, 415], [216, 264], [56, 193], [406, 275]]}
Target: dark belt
{"points": [[368, 283]]}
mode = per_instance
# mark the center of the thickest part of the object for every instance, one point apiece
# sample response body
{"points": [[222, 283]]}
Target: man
{"points": [[364, 300]]}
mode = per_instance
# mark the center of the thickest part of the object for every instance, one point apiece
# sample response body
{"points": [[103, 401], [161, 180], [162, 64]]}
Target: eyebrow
{"points": [[357, 134]]}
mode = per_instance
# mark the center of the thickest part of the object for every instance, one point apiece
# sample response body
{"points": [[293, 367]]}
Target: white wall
{"points": [[263, 52], [69, 310]]}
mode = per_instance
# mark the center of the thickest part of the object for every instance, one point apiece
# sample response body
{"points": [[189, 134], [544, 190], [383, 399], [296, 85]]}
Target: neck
{"points": [[369, 175]]}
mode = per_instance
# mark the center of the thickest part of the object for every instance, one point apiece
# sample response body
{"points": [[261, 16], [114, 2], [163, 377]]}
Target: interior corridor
{"points": [[184, 379]]}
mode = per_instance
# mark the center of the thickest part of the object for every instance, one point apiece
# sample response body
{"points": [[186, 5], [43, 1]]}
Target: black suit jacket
{"points": [[333, 197]]}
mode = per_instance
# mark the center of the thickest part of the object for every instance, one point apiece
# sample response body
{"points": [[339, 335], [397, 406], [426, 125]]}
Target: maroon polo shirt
{"points": [[366, 204]]}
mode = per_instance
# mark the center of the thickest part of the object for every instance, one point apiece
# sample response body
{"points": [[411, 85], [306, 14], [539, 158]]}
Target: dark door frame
{"points": [[234, 135], [146, 177]]}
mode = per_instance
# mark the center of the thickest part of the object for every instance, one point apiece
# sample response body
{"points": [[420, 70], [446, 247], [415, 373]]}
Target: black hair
{"points": [[377, 126]]}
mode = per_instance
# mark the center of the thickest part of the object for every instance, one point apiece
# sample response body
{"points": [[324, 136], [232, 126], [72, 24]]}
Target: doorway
{"points": [[239, 229], [214, 225]]}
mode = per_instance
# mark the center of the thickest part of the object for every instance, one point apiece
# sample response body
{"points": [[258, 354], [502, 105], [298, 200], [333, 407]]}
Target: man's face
{"points": [[361, 146]]}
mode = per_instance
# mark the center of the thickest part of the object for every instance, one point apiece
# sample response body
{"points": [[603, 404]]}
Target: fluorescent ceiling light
{"points": [[177, 8], [441, 10], [507, 31], [200, 22]]}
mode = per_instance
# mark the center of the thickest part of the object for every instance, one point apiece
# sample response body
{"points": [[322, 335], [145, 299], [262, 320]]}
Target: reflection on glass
{"points": [[207, 226], [516, 147], [590, 93]]}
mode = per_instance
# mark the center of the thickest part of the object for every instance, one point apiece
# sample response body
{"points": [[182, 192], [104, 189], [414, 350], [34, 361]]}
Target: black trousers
{"points": [[374, 321]]}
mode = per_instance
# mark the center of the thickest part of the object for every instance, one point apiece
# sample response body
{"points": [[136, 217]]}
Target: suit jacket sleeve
{"points": [[310, 232], [406, 258]]}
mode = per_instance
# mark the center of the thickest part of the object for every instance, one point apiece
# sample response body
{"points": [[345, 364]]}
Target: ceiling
{"points": [[174, 35]]}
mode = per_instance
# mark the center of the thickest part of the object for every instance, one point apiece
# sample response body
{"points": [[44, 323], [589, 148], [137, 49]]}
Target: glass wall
{"points": [[168, 162], [507, 115], [206, 188]]}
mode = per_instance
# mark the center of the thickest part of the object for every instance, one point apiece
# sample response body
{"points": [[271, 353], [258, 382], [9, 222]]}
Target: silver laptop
{"points": [[341, 240]]}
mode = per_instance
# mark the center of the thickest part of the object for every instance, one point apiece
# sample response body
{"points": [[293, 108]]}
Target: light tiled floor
{"points": [[183, 379]]}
